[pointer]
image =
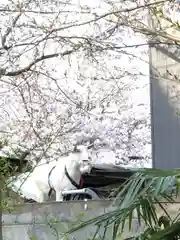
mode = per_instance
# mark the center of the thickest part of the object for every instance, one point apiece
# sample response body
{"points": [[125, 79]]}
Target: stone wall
{"points": [[48, 221], [36, 220]]}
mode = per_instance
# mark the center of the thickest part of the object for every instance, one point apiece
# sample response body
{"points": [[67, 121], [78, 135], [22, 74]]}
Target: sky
{"points": [[117, 81]]}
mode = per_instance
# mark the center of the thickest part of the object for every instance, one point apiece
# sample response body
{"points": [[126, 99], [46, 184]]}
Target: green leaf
{"points": [[141, 192], [167, 233]]}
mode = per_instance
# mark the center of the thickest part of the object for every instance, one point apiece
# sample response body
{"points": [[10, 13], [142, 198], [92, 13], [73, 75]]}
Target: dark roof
{"points": [[111, 167], [103, 175]]}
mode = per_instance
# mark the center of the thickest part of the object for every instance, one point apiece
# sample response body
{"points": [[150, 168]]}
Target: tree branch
{"points": [[43, 57], [8, 31]]}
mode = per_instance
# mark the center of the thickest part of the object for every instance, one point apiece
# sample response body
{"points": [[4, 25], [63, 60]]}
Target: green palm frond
{"points": [[139, 196], [170, 233]]}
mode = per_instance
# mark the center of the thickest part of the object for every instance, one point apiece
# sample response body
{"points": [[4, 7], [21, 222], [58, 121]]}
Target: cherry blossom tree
{"points": [[72, 71]]}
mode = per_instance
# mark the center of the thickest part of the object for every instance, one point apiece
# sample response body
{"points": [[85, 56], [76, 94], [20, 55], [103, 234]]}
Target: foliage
{"points": [[140, 198], [10, 166]]}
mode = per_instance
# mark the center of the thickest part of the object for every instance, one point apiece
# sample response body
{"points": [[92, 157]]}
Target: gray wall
{"points": [[165, 96], [34, 220], [165, 105], [29, 220]]}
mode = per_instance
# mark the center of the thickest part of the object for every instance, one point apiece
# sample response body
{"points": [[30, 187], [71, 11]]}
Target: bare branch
{"points": [[44, 57], [8, 31]]}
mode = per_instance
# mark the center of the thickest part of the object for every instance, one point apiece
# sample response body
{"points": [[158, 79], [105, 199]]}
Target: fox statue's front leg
{"points": [[59, 196]]}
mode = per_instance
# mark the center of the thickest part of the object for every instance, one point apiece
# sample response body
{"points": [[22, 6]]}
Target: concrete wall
{"points": [[30, 220], [34, 220], [165, 102]]}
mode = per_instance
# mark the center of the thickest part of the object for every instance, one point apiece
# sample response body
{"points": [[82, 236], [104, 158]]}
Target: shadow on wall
{"points": [[165, 105]]}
